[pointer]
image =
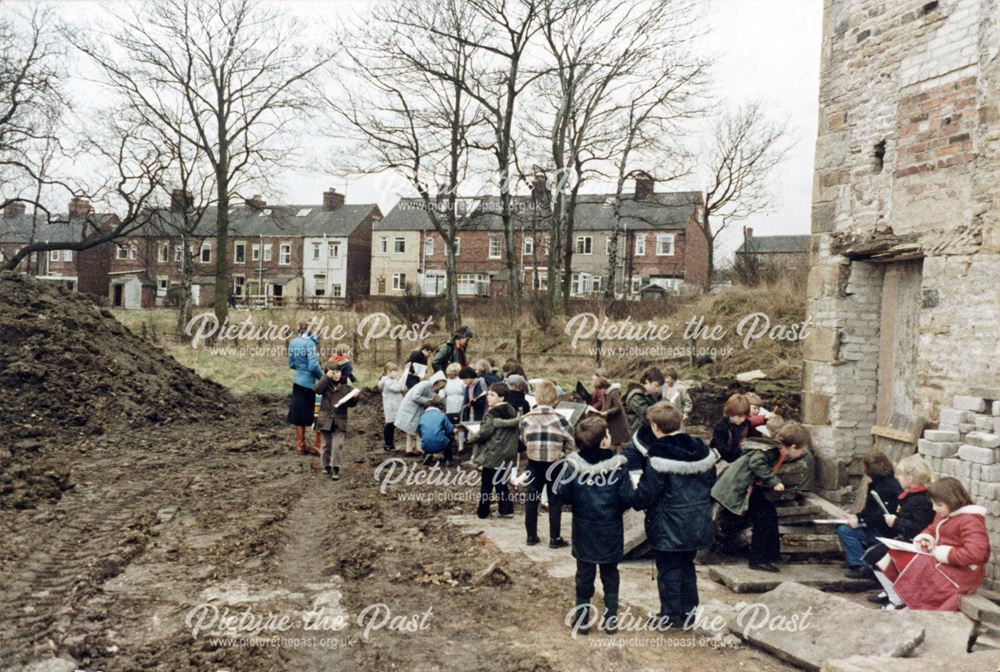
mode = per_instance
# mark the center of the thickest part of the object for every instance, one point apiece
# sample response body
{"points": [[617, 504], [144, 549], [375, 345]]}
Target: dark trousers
{"points": [[873, 554], [494, 480], [765, 544], [389, 435], [539, 480], [586, 572], [677, 584]]}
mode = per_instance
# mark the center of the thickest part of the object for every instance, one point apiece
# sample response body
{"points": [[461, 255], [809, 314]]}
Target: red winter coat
{"points": [[961, 547]]}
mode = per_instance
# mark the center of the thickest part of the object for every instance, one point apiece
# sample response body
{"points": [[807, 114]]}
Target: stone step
{"points": [[742, 579], [980, 661]]}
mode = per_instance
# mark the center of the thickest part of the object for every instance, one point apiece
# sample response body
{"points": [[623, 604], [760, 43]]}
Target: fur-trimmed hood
{"points": [[583, 467], [971, 509], [676, 453], [760, 443]]}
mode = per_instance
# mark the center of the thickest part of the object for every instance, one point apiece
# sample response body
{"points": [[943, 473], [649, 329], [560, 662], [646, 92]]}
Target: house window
{"points": [[581, 283], [161, 286], [333, 249], [636, 285], [315, 251], [267, 251], [428, 246], [133, 251], [255, 252], [383, 245], [206, 253], [607, 246], [238, 285], [285, 254], [665, 245], [528, 246], [494, 248], [336, 291], [162, 252], [470, 283], [54, 255], [595, 284], [539, 279], [240, 253], [320, 284], [178, 252], [640, 245], [398, 281], [584, 245], [458, 246], [67, 255], [399, 245]]}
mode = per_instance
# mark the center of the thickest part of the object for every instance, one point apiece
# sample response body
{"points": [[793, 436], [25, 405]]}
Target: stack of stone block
{"points": [[966, 445]]}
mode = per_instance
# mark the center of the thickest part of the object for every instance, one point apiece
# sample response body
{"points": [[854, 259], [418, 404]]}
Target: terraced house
{"points": [[660, 245], [279, 254]]}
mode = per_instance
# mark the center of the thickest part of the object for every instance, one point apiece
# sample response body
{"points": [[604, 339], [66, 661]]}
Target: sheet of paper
{"points": [[472, 427], [830, 521], [347, 397], [635, 475], [418, 369], [902, 546]]}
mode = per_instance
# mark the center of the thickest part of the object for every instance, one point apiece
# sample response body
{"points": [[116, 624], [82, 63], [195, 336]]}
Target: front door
{"points": [[116, 295], [898, 339]]}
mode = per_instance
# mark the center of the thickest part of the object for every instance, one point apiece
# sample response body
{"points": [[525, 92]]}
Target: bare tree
{"points": [[226, 77], [746, 147], [608, 58], [414, 116]]}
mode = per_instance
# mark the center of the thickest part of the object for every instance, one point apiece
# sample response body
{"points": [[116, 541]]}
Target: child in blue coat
{"points": [[594, 481], [435, 431], [675, 491]]}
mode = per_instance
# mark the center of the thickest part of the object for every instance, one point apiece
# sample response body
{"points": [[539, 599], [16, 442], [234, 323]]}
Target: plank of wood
{"points": [[895, 434]]}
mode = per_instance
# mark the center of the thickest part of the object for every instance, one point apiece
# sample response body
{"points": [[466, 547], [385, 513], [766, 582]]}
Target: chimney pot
{"points": [[331, 199]]}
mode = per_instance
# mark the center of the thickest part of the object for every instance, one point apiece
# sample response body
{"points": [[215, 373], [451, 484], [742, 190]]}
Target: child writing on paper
{"points": [[954, 550], [862, 530]]}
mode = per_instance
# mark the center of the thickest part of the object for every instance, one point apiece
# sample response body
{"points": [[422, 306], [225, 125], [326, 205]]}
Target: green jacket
{"points": [[753, 467], [636, 403], [497, 440]]}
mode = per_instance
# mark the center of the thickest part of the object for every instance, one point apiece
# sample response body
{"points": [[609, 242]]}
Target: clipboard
{"points": [[897, 545], [878, 500], [347, 397]]}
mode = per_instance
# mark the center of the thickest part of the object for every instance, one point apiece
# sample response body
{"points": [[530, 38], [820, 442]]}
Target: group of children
{"points": [[632, 452], [949, 541]]}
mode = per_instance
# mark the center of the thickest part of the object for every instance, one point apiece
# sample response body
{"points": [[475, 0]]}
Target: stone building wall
{"points": [[908, 154]]}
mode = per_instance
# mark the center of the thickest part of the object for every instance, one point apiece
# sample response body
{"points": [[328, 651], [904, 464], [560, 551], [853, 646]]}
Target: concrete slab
{"points": [[635, 530], [979, 661], [946, 633], [742, 579], [808, 627]]}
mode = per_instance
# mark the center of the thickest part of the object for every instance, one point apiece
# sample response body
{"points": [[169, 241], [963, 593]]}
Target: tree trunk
{"points": [[184, 309], [710, 242], [453, 318]]}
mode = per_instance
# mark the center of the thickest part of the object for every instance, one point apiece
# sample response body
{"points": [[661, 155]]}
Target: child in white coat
{"points": [[393, 386]]}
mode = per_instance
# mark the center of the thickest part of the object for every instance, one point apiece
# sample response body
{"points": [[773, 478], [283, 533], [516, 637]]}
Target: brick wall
{"points": [[908, 145]]}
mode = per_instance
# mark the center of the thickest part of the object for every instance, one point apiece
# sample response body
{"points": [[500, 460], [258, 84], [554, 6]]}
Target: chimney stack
{"points": [[644, 186], [79, 206], [539, 188], [747, 232], [13, 210], [180, 200], [332, 200], [257, 202]]}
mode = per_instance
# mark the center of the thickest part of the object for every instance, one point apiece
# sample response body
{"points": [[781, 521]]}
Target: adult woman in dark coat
{"points": [[418, 357]]}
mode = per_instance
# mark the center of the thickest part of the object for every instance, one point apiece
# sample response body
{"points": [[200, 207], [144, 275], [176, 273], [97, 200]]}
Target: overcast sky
{"points": [[767, 50]]}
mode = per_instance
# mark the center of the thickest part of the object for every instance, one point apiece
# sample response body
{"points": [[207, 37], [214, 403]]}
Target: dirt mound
{"points": [[69, 369], [709, 397]]}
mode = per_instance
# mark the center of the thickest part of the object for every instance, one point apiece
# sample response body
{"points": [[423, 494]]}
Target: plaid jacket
{"points": [[546, 434]]}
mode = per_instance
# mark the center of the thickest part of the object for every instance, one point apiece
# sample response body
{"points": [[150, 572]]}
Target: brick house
{"points": [[84, 271], [660, 244], [267, 251], [781, 252], [904, 282]]}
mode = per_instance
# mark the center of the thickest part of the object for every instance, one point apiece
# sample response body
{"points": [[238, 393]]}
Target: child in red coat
{"points": [[955, 548]]}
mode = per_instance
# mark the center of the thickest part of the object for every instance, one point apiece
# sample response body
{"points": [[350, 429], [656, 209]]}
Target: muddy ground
{"points": [[139, 502]]}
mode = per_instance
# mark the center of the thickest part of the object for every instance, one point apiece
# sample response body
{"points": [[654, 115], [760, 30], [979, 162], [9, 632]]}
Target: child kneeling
{"points": [[594, 481], [435, 431], [675, 491]]}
